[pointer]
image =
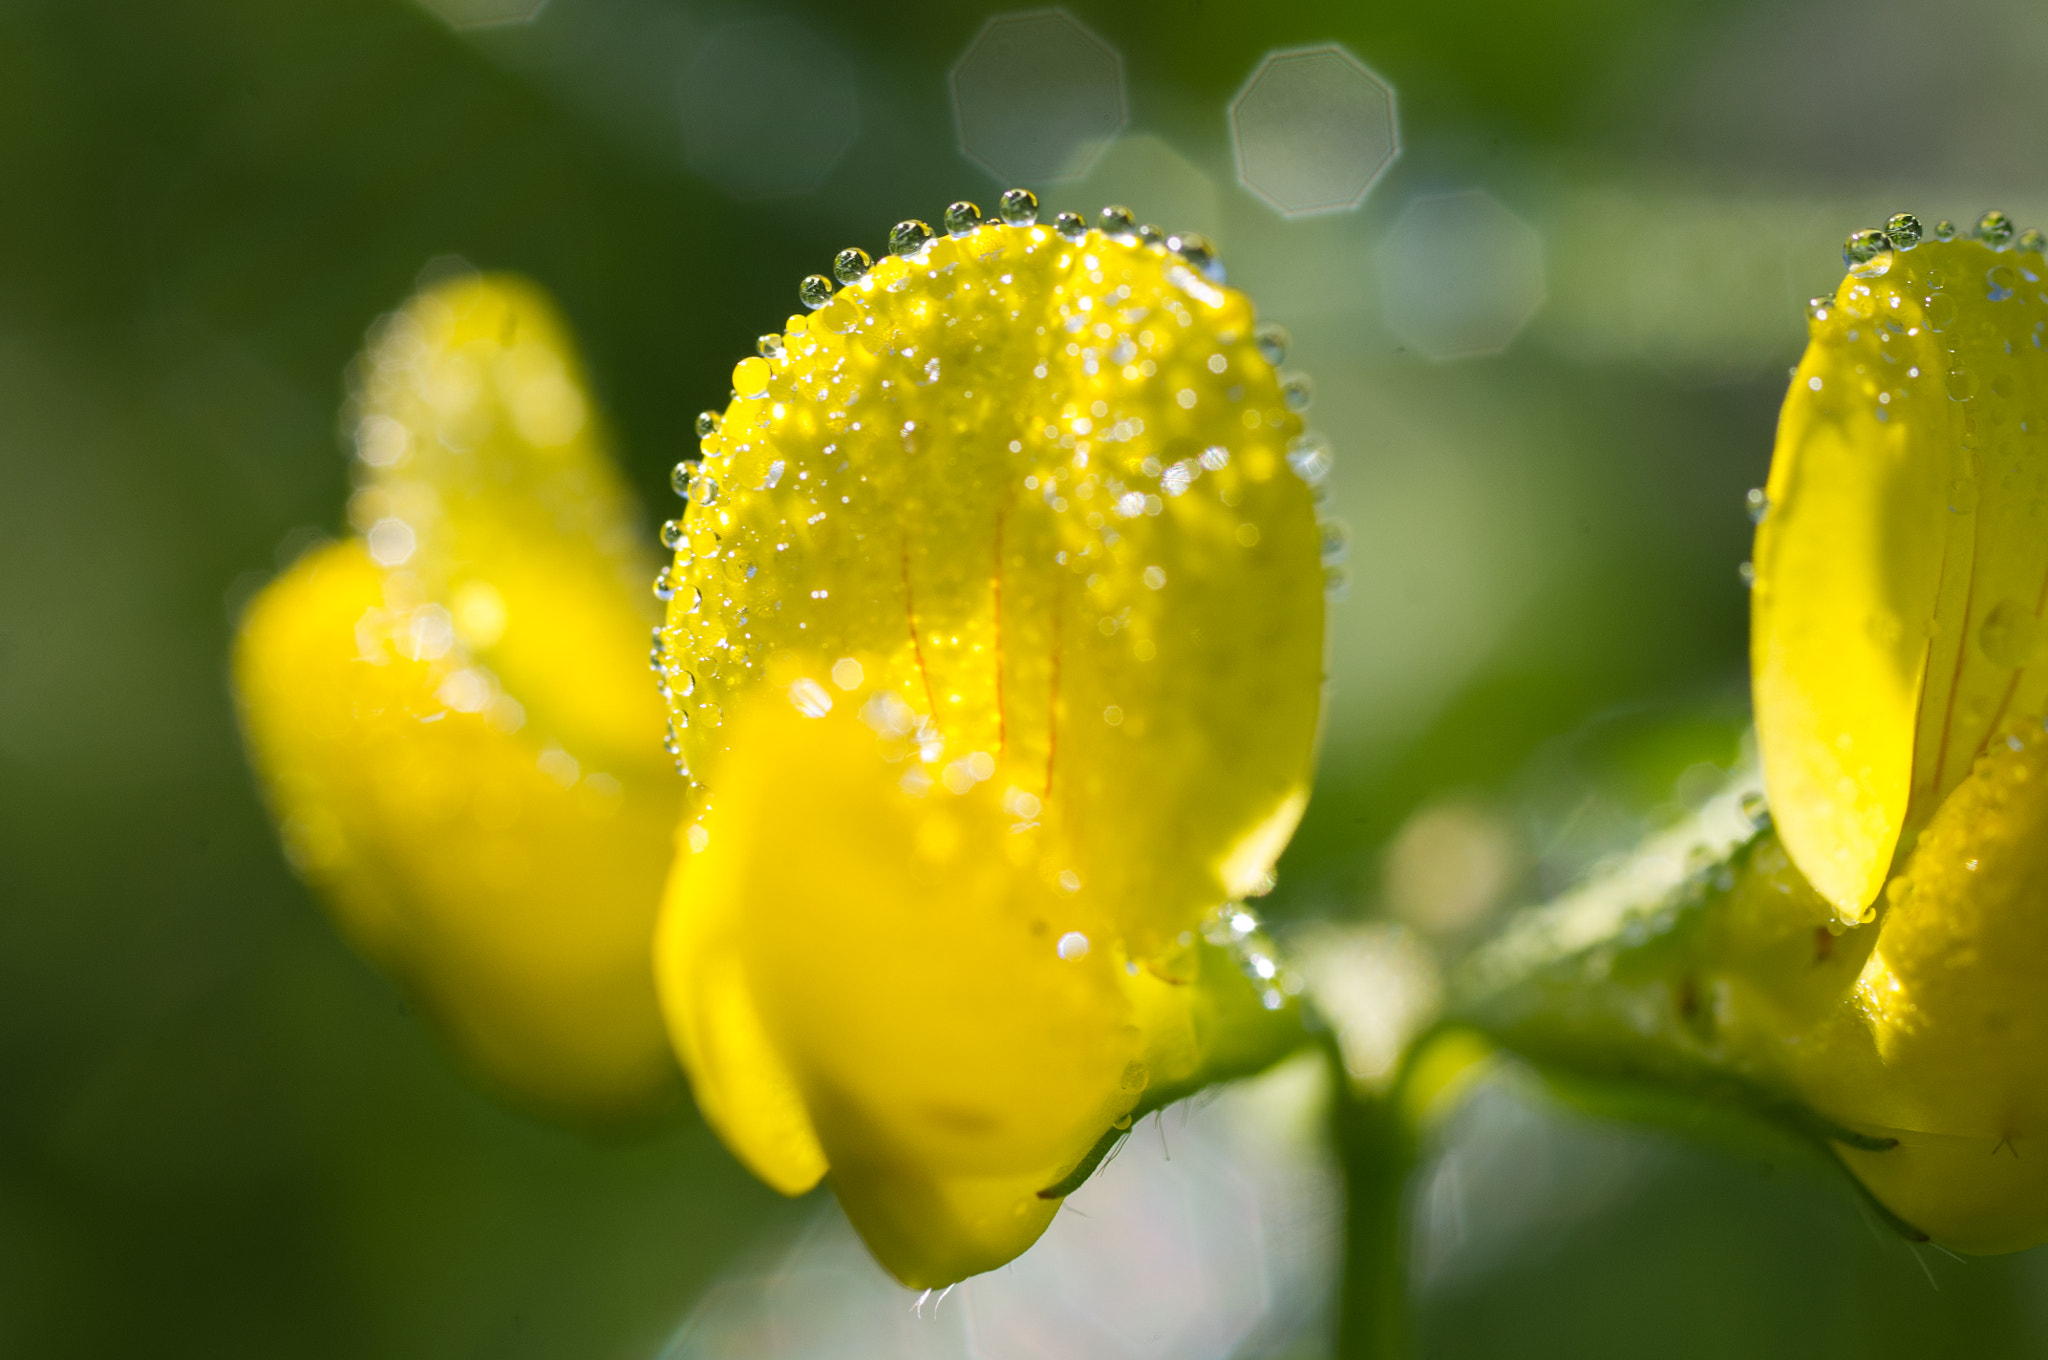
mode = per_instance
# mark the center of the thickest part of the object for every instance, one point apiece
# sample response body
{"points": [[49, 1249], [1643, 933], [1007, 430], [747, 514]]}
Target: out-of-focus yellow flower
{"points": [[452, 716], [1902, 568], [996, 645]]}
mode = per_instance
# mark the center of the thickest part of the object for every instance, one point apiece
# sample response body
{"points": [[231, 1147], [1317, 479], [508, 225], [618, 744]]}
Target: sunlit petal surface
{"points": [[1902, 568], [995, 644]]}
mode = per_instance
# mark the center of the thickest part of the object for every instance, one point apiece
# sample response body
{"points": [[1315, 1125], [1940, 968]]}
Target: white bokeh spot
{"points": [[1459, 274], [1037, 96], [1314, 129]]}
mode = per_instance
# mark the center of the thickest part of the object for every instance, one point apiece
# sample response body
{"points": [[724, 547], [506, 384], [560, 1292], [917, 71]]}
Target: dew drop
{"points": [[708, 423], [1072, 945], [703, 490], [1336, 581], [673, 535], [908, 237], [1070, 226], [1944, 230], [1999, 283], [679, 477], [1867, 253], [1117, 223], [1149, 235], [1273, 342], [1309, 456], [1336, 540], [851, 265], [1817, 309], [1757, 503], [664, 588], [1199, 252], [961, 218], [810, 698], [1903, 230], [1297, 391], [769, 347], [1995, 229], [1747, 571], [2033, 240], [815, 291], [2010, 634], [1941, 312], [750, 378]]}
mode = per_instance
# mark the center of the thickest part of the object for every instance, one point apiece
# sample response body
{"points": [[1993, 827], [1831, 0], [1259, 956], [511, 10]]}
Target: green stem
{"points": [[1378, 1147]]}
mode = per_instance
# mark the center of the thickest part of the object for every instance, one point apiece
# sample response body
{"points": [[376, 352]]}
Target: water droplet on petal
{"points": [[961, 218], [1073, 945], [703, 490], [1310, 458], [750, 378], [769, 347], [1018, 207], [815, 291], [851, 265], [908, 237], [2033, 239], [810, 698], [1070, 226], [679, 477], [1297, 391], [1995, 229], [1273, 342], [1757, 503], [1903, 230], [2000, 283], [1198, 251], [1867, 253], [708, 423], [673, 534], [1944, 230]]}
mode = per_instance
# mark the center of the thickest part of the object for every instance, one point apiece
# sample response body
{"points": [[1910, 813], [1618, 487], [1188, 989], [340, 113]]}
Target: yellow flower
{"points": [[1902, 568], [451, 715], [995, 646]]}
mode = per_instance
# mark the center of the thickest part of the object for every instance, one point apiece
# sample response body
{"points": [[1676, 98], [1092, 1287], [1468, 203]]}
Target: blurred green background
{"points": [[223, 1135]]}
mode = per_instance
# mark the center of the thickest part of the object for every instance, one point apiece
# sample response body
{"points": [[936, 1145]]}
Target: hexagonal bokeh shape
{"points": [[1460, 274], [1314, 130], [768, 109], [468, 14], [1037, 96]]}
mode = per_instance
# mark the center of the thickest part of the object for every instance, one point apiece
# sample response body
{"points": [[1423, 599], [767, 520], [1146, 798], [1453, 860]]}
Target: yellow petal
{"points": [[460, 741], [1902, 569], [1030, 498], [869, 971], [492, 466], [1942, 1042]]}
